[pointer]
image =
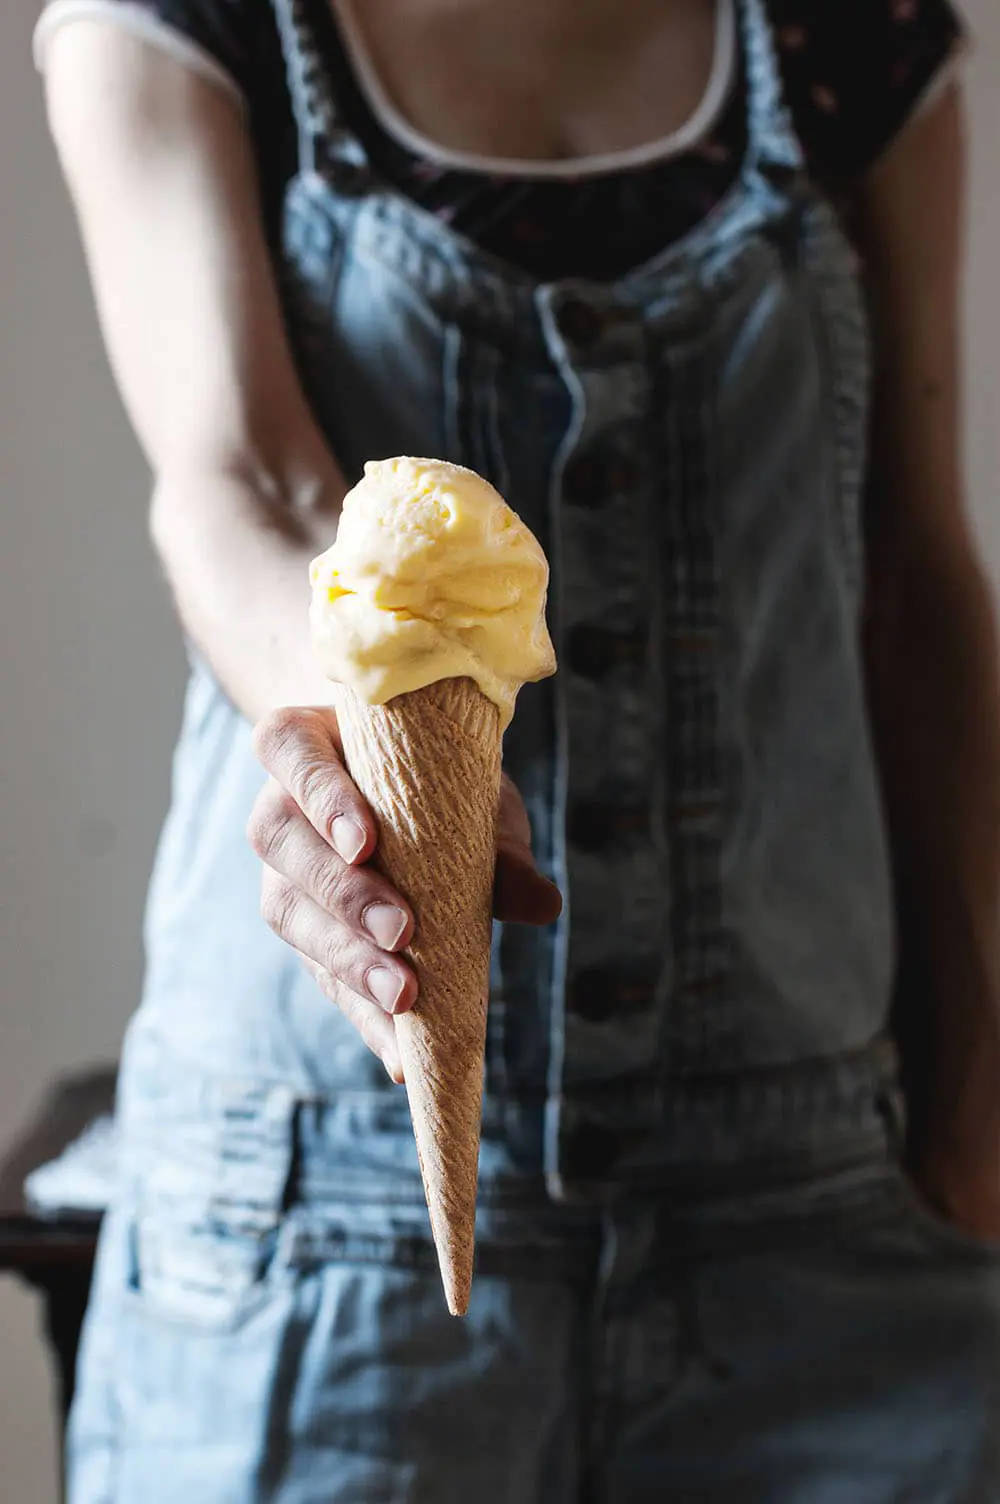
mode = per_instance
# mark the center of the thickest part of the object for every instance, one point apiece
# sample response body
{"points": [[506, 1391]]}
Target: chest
{"points": [[537, 81]]}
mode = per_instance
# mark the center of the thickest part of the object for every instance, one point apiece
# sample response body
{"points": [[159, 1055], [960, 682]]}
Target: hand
{"points": [[953, 1140], [320, 893], [521, 895], [951, 1081], [965, 1194], [956, 1167]]}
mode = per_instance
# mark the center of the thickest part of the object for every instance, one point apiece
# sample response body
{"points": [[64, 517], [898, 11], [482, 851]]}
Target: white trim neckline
{"points": [[688, 135]]}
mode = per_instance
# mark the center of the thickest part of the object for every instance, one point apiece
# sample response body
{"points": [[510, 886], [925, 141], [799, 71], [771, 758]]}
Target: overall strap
{"points": [[324, 142], [773, 138]]}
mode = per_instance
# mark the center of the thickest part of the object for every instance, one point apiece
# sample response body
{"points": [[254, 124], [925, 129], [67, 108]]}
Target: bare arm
{"points": [[245, 492], [933, 674]]}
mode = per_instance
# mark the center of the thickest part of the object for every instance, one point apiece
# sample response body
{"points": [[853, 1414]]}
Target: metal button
{"points": [[593, 651], [622, 474], [584, 481], [580, 323], [592, 479], [590, 995], [349, 171], [588, 1150], [602, 992], [693, 810], [693, 644], [594, 826]]}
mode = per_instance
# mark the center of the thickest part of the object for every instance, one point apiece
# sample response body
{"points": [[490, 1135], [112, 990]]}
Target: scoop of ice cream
{"points": [[432, 577]]}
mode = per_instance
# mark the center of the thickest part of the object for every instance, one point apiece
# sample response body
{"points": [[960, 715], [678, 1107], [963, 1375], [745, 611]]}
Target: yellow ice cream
{"points": [[432, 577]]}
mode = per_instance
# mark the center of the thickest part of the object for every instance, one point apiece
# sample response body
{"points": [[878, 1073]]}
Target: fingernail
{"points": [[385, 924], [394, 1069], [349, 837], [385, 986]]}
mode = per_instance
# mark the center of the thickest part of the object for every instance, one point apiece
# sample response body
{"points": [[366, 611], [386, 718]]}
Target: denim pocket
{"points": [[208, 1174], [197, 1321], [215, 1279], [940, 1235]]}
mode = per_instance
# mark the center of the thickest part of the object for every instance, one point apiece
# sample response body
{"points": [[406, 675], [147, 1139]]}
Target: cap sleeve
{"points": [[856, 71], [212, 37]]}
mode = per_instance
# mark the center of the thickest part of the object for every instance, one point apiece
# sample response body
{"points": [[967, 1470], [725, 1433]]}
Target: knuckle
{"points": [[324, 789], [278, 902], [279, 731], [274, 814], [334, 951], [330, 885]]}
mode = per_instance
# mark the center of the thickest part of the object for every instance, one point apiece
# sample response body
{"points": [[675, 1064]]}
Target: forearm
{"points": [[933, 677], [163, 173], [238, 565]]}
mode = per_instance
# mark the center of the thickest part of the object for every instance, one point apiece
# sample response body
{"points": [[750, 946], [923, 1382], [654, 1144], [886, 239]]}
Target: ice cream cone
{"points": [[428, 763], [427, 616]]}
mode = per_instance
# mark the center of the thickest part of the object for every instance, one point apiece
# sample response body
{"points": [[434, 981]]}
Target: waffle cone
{"points": [[428, 763]]}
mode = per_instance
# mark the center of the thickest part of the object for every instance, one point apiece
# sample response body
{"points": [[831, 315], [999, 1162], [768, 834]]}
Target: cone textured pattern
{"points": [[428, 763]]}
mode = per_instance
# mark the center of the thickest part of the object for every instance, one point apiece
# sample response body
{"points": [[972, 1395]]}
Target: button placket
{"points": [[609, 567]]}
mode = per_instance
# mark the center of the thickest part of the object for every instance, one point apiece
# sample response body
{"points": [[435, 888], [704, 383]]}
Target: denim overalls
{"points": [[701, 1277]]}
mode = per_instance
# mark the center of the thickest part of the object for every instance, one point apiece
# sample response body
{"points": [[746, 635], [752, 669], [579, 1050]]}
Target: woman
{"points": [[585, 249]]}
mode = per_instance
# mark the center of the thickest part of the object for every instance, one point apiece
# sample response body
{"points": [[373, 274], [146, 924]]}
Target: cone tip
{"points": [[456, 1290]]}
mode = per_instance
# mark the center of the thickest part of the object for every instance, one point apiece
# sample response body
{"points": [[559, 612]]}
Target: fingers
{"points": [[513, 824], [358, 897], [314, 832], [355, 961], [372, 1023], [301, 751], [521, 895]]}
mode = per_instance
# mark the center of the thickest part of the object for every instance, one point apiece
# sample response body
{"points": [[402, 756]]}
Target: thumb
{"points": [[521, 894]]}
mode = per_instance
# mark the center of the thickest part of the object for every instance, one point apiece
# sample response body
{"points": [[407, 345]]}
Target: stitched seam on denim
{"points": [[843, 335], [560, 789], [323, 142], [317, 1238], [312, 102], [699, 1010], [773, 135]]}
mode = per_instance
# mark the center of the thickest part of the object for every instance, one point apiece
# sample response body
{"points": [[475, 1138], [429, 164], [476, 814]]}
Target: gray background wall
{"points": [[92, 667]]}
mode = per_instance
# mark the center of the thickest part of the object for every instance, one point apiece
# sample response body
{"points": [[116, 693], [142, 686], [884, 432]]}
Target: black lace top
{"points": [[854, 71]]}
